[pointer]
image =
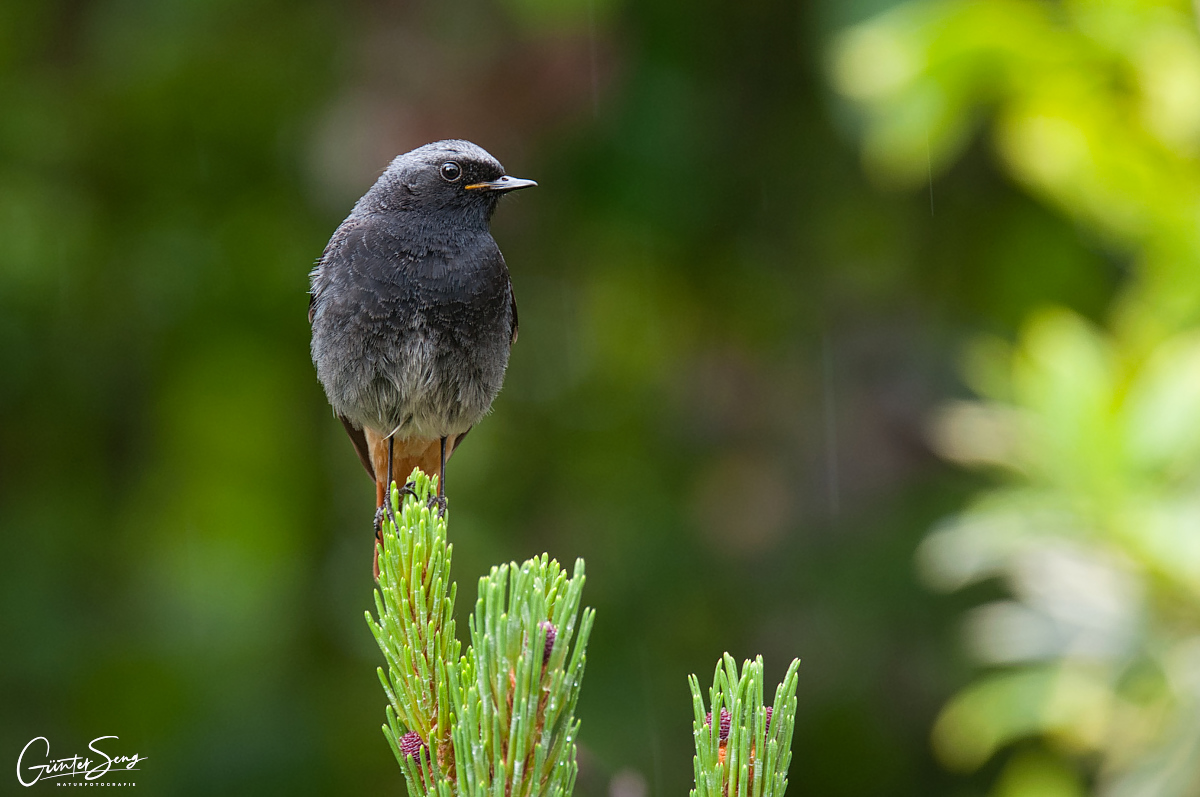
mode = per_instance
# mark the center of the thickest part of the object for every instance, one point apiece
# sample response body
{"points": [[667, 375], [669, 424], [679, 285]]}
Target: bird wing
{"points": [[359, 438], [513, 302], [315, 278]]}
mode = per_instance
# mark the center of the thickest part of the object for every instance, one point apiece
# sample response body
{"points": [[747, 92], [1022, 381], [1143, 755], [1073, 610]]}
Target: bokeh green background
{"points": [[758, 252]]}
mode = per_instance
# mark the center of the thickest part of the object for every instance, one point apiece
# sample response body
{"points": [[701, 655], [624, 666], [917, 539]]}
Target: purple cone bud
{"points": [[411, 744], [769, 710], [725, 719], [551, 635]]}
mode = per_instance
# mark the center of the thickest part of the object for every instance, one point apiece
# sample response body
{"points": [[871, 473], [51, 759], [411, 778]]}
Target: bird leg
{"points": [[386, 509], [440, 498]]}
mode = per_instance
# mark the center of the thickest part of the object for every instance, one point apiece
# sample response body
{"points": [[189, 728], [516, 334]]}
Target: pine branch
{"points": [[498, 720], [518, 689], [415, 631], [746, 750]]}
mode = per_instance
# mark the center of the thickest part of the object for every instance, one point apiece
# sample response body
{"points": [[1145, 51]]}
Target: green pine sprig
{"points": [[743, 749], [415, 631], [520, 681], [498, 720]]}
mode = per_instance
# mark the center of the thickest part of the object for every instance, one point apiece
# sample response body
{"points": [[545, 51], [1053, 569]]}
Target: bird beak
{"points": [[501, 185]]}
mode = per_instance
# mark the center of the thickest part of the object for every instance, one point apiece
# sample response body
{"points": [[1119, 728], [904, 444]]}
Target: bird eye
{"points": [[451, 171]]}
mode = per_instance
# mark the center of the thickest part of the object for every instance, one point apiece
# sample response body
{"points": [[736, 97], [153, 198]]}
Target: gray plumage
{"points": [[412, 310]]}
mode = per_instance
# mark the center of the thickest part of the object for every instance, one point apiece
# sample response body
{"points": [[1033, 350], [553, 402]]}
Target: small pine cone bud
{"points": [[725, 719], [769, 710], [411, 744], [551, 635]]}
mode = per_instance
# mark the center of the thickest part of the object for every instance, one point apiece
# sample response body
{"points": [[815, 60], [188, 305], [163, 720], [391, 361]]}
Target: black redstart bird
{"points": [[413, 313]]}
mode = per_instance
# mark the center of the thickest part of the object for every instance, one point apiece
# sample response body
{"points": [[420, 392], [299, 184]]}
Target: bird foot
{"points": [[438, 501], [386, 510]]}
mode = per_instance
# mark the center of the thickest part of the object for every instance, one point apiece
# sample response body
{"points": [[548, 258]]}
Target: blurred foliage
{"points": [[1096, 107], [1095, 534], [730, 343], [1094, 434]]}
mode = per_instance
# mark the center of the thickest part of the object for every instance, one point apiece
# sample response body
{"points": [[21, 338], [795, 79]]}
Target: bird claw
{"points": [[388, 510], [440, 502]]}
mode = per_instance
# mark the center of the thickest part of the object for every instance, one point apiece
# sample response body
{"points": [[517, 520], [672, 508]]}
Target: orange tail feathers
{"points": [[406, 455]]}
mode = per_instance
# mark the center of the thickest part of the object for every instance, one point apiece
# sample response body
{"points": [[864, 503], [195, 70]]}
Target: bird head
{"points": [[457, 181]]}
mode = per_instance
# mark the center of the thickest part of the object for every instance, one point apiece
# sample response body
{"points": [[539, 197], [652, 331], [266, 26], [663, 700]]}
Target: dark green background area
{"points": [[730, 345]]}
